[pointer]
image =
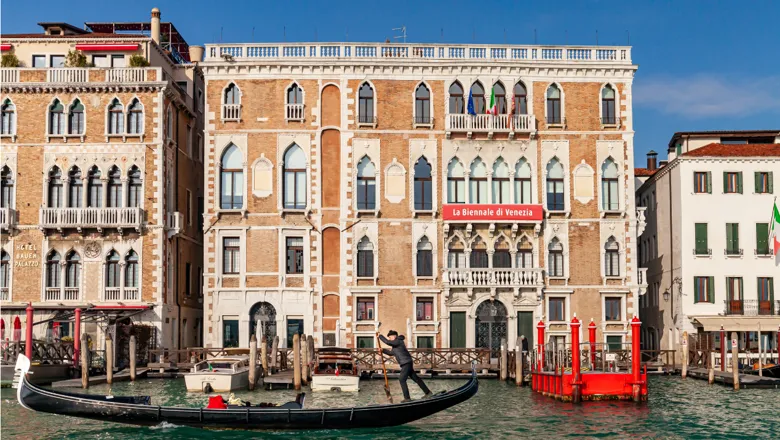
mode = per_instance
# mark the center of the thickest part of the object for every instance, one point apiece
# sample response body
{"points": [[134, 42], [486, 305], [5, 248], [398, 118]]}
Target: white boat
{"points": [[219, 375], [335, 370]]}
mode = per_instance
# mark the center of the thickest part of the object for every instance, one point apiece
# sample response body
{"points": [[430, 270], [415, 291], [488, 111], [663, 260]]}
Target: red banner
{"points": [[459, 212]]}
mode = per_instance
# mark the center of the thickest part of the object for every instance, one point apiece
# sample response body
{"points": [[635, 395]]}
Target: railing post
{"points": [[735, 360], [722, 349], [28, 344], [575, 361], [592, 340], [684, 373], [540, 344]]}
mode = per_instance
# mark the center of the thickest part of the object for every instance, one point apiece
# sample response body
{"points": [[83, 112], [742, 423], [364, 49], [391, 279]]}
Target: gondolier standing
{"points": [[404, 360]]}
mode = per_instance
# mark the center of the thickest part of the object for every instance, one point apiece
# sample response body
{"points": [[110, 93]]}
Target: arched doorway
{"points": [[262, 321], [491, 326]]}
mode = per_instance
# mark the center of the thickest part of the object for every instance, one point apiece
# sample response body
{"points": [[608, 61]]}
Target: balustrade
{"points": [[489, 123], [231, 112], [60, 218], [294, 112], [492, 277]]}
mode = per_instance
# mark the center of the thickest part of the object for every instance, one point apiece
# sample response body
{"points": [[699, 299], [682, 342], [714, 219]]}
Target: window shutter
{"points": [[757, 182], [701, 238], [711, 289], [739, 182], [709, 182], [772, 290], [725, 182], [741, 289], [762, 237], [729, 236], [770, 178]]}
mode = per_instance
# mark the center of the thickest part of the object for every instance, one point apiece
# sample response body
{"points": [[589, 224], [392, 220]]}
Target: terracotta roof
{"points": [[735, 150], [644, 172], [80, 36]]}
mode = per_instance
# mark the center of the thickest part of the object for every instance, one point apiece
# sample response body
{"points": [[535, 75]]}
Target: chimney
{"points": [[156, 25], [196, 54], [651, 160]]}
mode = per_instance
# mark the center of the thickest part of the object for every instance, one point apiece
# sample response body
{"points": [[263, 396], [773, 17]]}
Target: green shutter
{"points": [[739, 182], [762, 238], [729, 237], [701, 238], [741, 289], [770, 182], [711, 289], [725, 182], [757, 182], [709, 182]]}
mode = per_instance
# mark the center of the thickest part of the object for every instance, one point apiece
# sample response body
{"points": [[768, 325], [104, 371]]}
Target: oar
{"points": [[384, 370]]}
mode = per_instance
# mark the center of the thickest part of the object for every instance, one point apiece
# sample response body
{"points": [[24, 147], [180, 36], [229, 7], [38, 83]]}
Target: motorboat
{"points": [[335, 370], [221, 374]]}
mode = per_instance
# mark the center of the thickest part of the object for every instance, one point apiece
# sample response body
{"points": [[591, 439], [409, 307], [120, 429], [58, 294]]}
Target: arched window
{"points": [[135, 117], [94, 188], [116, 117], [555, 200], [6, 187], [521, 99], [555, 258], [501, 182], [612, 258], [294, 183], [231, 179], [231, 103], [608, 105], [456, 98], [456, 183], [478, 182], [134, 188], [478, 97], [423, 186], [55, 188], [609, 186], [456, 257], [56, 118], [114, 188], [424, 257], [8, 111], [365, 260], [131, 270], [366, 104], [422, 105], [72, 270], [553, 104], [75, 188], [479, 257], [500, 94], [524, 258], [294, 95], [112, 270], [523, 182], [366, 184], [232, 95], [53, 269], [76, 118], [5, 274], [502, 259]]}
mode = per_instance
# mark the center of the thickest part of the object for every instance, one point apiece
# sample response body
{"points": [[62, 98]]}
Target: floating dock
{"points": [[746, 381], [121, 376]]}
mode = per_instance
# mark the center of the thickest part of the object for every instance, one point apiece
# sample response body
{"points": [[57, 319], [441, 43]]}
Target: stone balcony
{"points": [[80, 75], [174, 223], [492, 277], [490, 124], [642, 280], [91, 218], [7, 218], [62, 294], [121, 293]]}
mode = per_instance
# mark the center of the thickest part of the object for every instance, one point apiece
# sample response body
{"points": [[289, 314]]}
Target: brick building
{"points": [[351, 183], [102, 182]]}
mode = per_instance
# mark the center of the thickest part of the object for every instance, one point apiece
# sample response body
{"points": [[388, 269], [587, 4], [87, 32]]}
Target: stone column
{"points": [[104, 196]]}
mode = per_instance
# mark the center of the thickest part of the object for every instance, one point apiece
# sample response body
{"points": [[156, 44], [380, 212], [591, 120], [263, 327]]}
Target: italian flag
{"points": [[493, 109], [774, 229]]}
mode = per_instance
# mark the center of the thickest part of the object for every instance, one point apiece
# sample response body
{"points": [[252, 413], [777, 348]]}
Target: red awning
{"points": [[4, 47], [106, 47]]}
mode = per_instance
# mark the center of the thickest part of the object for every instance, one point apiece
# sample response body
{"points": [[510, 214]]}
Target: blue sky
{"points": [[703, 65]]}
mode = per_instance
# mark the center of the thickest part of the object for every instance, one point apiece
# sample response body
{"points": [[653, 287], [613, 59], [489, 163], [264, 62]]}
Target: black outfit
{"points": [[404, 359], [525, 344]]}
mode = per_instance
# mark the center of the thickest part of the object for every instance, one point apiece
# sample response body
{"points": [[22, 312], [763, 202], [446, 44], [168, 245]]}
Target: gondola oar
{"points": [[384, 370]]}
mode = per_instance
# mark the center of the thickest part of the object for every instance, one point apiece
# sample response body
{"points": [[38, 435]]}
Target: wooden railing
{"points": [[44, 352], [427, 358]]}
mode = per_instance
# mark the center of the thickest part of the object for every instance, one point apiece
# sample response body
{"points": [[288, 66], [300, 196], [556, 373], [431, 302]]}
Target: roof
{"points": [[723, 133], [64, 26], [170, 38], [644, 172], [735, 150], [80, 36]]}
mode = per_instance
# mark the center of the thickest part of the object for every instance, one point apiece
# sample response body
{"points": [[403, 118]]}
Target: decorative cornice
{"points": [[46, 87]]}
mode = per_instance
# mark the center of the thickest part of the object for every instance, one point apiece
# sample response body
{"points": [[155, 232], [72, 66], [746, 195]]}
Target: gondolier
{"points": [[404, 359]]}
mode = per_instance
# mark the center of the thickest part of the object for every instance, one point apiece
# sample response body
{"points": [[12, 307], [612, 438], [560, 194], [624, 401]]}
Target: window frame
{"points": [[364, 264], [558, 300], [424, 301], [231, 256], [609, 303], [369, 312], [297, 253], [458, 99], [554, 106], [424, 182], [423, 104], [366, 110]]}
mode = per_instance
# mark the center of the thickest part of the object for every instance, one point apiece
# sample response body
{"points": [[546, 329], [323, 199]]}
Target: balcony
{"points": [[4, 294], [174, 222], [642, 280], [732, 252], [62, 294], [7, 217], [121, 294], [702, 252], [91, 218], [492, 277], [231, 112], [293, 112], [490, 124], [752, 307]]}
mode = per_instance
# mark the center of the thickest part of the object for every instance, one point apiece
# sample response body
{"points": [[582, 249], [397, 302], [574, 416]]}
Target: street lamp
{"points": [[666, 295]]}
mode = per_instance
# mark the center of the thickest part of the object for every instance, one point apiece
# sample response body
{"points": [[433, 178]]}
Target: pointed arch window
{"points": [[553, 104], [132, 273], [456, 257], [555, 258], [231, 178], [479, 256], [56, 118], [478, 97], [113, 275], [457, 105], [521, 99], [456, 183], [366, 184], [114, 188], [5, 274], [366, 104], [524, 258], [423, 185], [53, 270], [72, 271], [94, 188], [501, 182], [424, 257], [294, 103], [422, 105], [135, 117], [232, 94], [116, 117], [612, 258], [134, 188], [76, 118], [6, 187], [502, 258], [609, 186], [294, 183], [55, 188], [500, 93], [608, 116], [555, 201], [75, 188], [8, 111], [523, 182], [478, 182], [365, 260], [231, 103]]}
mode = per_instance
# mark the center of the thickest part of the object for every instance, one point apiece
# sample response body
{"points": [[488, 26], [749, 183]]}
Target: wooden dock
{"points": [[122, 376], [746, 381]]}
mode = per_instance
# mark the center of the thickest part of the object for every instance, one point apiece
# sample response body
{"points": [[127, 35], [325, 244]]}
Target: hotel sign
{"points": [[513, 213]]}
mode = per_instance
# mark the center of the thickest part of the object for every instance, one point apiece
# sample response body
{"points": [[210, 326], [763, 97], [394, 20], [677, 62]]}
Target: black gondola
{"points": [[766, 371], [137, 410]]}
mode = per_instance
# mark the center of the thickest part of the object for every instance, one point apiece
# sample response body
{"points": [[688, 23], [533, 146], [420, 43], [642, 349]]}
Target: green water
{"points": [[677, 408]]}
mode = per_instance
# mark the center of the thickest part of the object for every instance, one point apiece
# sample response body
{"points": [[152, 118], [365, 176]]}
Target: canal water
{"points": [[677, 409]]}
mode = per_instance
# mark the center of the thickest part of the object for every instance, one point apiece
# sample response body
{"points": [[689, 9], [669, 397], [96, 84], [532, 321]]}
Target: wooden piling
{"points": [[84, 361], [132, 358], [760, 363], [504, 366], [252, 362], [264, 354], [711, 377], [274, 353], [297, 361], [735, 359], [109, 359], [312, 355], [519, 364], [684, 355], [304, 361]]}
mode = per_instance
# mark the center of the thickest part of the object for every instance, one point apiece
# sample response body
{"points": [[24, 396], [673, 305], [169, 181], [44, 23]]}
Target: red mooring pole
{"points": [[28, 343], [540, 344], [576, 383], [592, 340], [635, 359], [77, 337], [722, 349]]}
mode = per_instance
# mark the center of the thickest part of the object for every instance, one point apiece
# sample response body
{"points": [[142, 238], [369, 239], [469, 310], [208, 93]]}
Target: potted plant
{"points": [[138, 61], [10, 60], [76, 58]]}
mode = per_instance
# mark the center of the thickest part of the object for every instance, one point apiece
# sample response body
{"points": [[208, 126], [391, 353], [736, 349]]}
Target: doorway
{"points": [[491, 326]]}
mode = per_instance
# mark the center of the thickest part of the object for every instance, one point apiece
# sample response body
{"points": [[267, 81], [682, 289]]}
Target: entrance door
{"points": [[525, 327], [230, 333], [458, 330], [491, 326], [262, 322], [293, 326]]}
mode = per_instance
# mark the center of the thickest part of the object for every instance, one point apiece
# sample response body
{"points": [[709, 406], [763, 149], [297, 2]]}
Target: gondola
{"points": [[138, 410], [767, 370]]}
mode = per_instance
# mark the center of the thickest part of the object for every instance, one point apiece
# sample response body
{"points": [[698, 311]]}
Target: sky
{"points": [[703, 65]]}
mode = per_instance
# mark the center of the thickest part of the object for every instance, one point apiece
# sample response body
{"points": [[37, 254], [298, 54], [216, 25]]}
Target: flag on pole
{"points": [[470, 107], [493, 109], [774, 228]]}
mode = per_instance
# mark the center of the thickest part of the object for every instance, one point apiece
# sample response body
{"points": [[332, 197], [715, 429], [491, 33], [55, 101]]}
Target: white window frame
{"points": [[561, 124], [15, 122], [617, 123], [218, 181], [623, 295], [373, 123], [377, 183], [302, 103], [566, 295], [415, 124], [222, 103]]}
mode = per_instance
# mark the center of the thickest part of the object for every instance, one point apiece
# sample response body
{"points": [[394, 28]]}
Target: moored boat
{"points": [[335, 370], [220, 374], [767, 370]]}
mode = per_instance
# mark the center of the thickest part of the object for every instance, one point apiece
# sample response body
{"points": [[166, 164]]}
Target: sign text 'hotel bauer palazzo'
{"points": [[458, 194]]}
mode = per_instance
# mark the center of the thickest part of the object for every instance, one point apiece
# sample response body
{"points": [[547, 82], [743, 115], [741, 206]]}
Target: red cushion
{"points": [[216, 402]]}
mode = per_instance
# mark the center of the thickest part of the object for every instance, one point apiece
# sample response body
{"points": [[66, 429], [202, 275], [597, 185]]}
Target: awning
{"points": [[5, 47], [736, 323], [106, 47]]}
